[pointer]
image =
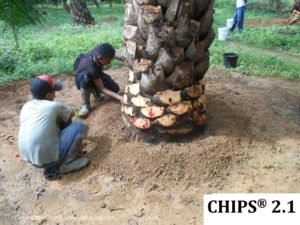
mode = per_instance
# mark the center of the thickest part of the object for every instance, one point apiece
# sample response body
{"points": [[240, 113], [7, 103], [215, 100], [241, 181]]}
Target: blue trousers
{"points": [[68, 135], [84, 81], [238, 19]]}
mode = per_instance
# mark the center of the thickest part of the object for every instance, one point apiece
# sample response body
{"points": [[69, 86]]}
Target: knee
{"points": [[116, 88], [113, 86], [80, 127], [83, 79]]}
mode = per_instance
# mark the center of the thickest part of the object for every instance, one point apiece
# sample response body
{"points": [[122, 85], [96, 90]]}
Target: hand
{"points": [[120, 56], [121, 99], [71, 107]]}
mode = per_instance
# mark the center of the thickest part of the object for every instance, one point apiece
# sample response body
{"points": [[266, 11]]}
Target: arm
{"points": [[65, 114], [72, 114], [100, 86], [119, 56]]}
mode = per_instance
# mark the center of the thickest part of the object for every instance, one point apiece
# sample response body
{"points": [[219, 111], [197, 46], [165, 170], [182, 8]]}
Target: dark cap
{"points": [[105, 50], [42, 85]]}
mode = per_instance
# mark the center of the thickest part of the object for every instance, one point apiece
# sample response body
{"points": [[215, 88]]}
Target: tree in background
{"points": [[297, 5], [275, 4], [80, 13], [296, 13], [96, 3], [17, 13], [166, 48], [78, 9], [66, 6]]}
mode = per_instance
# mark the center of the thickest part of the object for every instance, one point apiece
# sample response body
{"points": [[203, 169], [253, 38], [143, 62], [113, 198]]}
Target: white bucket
{"points": [[223, 33], [229, 23]]}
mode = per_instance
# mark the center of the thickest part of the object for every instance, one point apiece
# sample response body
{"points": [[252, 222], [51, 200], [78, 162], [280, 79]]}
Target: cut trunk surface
{"points": [[166, 44]]}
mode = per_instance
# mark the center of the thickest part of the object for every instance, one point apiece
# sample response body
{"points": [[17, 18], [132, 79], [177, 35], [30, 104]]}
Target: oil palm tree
{"points": [[296, 13], [17, 13], [166, 47], [66, 6], [80, 13]]}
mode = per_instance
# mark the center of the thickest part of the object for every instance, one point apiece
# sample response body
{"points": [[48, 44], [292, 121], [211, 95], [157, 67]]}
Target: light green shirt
{"points": [[39, 131]]}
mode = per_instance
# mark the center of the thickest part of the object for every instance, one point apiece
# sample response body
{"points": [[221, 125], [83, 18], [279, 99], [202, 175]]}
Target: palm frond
{"points": [[17, 13]]}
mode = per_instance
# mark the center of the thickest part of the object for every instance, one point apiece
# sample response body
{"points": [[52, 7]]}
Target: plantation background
{"points": [[250, 143], [52, 46]]}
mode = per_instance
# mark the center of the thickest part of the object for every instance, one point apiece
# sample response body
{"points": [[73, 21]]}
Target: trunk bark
{"points": [[80, 13], [297, 5], [96, 3], [166, 47], [296, 13], [51, 1], [66, 6]]}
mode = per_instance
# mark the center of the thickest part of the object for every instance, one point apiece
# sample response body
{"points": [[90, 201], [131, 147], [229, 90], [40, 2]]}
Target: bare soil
{"points": [[267, 23], [272, 6], [250, 144]]}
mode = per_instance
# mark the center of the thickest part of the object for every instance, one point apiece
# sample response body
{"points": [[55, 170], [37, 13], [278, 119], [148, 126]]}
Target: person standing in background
{"points": [[239, 15]]}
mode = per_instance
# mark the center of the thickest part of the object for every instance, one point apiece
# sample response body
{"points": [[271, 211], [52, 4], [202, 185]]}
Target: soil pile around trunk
{"points": [[250, 144]]}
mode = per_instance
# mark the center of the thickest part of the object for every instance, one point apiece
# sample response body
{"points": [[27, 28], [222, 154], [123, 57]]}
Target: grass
{"points": [[253, 63], [274, 166], [52, 47], [277, 38], [285, 39]]}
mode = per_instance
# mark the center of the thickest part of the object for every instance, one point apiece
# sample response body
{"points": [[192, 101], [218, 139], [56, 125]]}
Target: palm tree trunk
{"points": [[66, 6], [296, 13], [96, 3], [166, 43], [80, 13], [297, 5]]}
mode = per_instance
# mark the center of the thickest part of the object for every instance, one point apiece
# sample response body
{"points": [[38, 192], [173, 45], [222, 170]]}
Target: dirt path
{"points": [[250, 144], [267, 22], [267, 52]]}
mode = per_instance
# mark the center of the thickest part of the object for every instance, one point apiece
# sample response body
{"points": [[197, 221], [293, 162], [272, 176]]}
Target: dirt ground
{"points": [[250, 144], [267, 23]]}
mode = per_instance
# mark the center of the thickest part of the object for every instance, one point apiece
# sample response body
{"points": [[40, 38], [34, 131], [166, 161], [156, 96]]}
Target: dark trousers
{"points": [[238, 19], [84, 81]]}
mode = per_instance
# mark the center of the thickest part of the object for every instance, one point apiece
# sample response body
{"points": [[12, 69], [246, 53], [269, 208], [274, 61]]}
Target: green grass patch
{"points": [[254, 64], [286, 39], [225, 9], [280, 38], [53, 46]]}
